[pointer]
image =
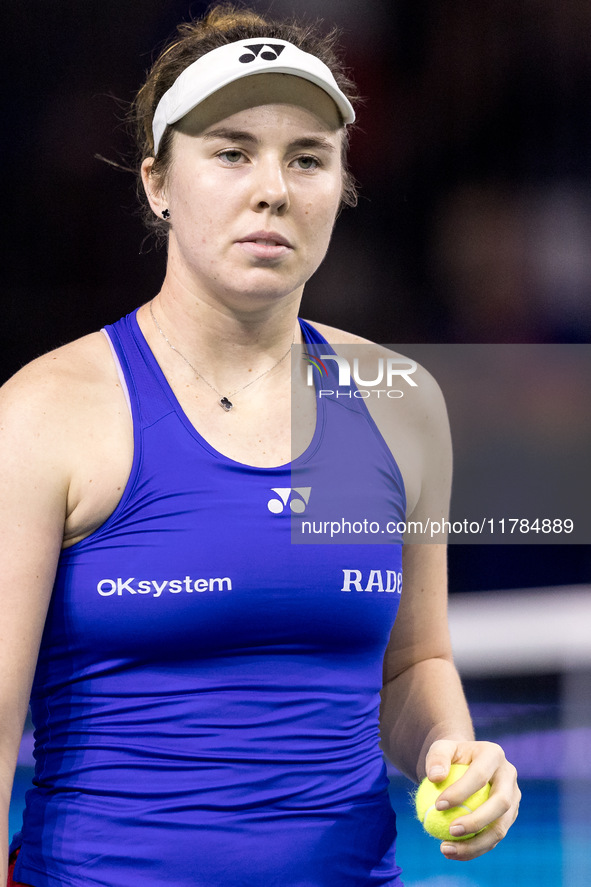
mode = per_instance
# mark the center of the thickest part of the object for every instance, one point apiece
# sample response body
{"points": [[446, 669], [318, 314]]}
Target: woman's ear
{"points": [[155, 195]]}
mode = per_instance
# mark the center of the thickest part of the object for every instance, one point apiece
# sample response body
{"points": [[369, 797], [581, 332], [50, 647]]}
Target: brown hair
{"points": [[224, 24]]}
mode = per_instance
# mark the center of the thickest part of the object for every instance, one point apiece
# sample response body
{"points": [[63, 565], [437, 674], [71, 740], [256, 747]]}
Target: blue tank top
{"points": [[207, 692]]}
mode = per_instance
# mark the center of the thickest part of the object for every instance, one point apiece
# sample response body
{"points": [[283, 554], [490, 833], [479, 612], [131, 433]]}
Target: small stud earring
{"points": [[166, 214]]}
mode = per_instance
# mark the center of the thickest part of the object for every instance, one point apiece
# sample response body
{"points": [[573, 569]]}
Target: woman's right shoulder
{"points": [[54, 392], [66, 439], [62, 374]]}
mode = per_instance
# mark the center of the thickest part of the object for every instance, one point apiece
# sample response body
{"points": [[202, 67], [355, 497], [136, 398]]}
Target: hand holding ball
{"points": [[437, 822]]}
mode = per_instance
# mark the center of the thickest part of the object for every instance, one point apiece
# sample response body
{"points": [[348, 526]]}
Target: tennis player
{"points": [[206, 691]]}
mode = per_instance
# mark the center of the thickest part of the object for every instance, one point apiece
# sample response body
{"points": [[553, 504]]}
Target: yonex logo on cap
{"points": [[268, 51]]}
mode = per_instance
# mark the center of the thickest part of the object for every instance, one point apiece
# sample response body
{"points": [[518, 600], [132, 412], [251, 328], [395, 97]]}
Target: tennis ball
{"points": [[437, 822]]}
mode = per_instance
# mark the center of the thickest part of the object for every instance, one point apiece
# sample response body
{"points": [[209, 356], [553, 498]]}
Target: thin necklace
{"points": [[224, 401]]}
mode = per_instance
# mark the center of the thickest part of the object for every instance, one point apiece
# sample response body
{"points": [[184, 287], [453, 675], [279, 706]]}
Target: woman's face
{"points": [[253, 190]]}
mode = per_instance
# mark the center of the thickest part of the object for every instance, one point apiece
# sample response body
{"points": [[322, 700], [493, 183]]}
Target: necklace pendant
{"points": [[226, 404]]}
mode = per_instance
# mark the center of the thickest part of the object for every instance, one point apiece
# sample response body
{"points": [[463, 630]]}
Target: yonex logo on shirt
{"points": [[268, 51], [299, 496]]}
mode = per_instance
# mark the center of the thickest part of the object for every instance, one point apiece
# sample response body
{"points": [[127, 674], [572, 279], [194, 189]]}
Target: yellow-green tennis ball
{"points": [[437, 822]]}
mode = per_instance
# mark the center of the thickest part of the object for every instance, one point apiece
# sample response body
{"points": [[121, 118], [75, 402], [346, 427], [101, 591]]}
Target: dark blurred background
{"points": [[472, 151]]}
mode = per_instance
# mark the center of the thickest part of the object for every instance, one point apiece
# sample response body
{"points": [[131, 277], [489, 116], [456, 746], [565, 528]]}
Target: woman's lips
{"points": [[265, 245]]}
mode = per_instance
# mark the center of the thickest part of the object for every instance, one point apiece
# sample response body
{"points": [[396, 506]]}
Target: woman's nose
{"points": [[270, 189]]}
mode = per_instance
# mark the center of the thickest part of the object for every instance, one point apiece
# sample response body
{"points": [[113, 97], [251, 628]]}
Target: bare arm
{"points": [[422, 696], [425, 722], [33, 489], [66, 447]]}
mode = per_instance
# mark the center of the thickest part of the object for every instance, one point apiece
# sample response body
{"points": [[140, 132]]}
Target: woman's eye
{"points": [[232, 156], [306, 162]]}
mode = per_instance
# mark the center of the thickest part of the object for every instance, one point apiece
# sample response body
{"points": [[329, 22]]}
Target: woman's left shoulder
{"points": [[408, 408], [423, 396]]}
